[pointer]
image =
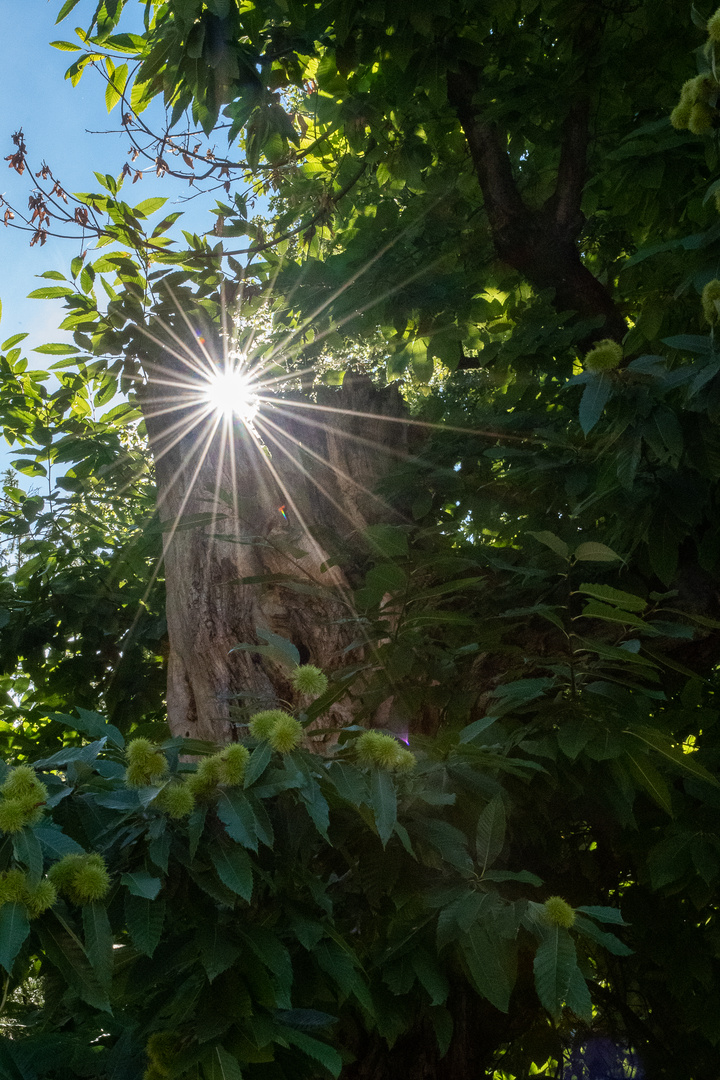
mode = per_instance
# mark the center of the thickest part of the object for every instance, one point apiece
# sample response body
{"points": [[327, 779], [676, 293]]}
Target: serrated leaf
{"points": [[237, 816], [552, 541], [660, 742], [268, 948], [56, 348], [65, 10], [578, 998], [28, 851], [14, 928], [608, 941], [142, 884], [383, 800], [592, 551], [217, 951], [98, 941], [596, 395], [650, 779], [68, 956], [234, 869], [144, 919], [50, 292], [554, 964], [490, 833], [487, 961], [318, 1051], [55, 843], [624, 600], [221, 1065], [603, 914], [92, 724], [256, 766]]}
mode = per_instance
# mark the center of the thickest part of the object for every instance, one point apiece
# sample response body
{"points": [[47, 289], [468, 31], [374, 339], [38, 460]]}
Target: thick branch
{"points": [[564, 203], [540, 244]]}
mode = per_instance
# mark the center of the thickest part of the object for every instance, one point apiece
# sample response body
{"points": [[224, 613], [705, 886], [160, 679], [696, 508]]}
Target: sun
{"points": [[231, 392]]}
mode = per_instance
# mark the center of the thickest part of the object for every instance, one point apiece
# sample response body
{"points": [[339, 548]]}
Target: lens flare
{"points": [[231, 393]]}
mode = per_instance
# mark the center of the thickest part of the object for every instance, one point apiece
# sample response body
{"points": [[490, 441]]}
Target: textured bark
{"points": [[210, 608]]}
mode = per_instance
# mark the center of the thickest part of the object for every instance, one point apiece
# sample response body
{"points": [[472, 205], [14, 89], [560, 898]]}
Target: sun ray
{"points": [[266, 423]]}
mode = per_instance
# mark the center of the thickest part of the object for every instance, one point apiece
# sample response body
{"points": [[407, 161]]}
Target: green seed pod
{"points": [[33, 807], [92, 881], [162, 1051], [232, 762], [146, 763], [81, 877], [39, 899], [13, 815], [558, 912], [405, 760], [713, 26], [680, 116], [203, 783], [701, 118], [262, 723], [383, 752], [309, 679], [710, 306], [13, 886], [605, 356], [286, 734], [177, 800], [22, 783]]}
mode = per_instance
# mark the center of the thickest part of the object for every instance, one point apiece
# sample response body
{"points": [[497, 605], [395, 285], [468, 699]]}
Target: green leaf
{"points": [[660, 742], [56, 348], [578, 998], [603, 914], [67, 955], [217, 951], [608, 941], [383, 800], [14, 928], [55, 843], [27, 850], [490, 835], [65, 46], [554, 965], [65, 10], [487, 958], [236, 814], [591, 551], [221, 1065], [650, 779], [553, 542], [259, 760], [234, 869], [142, 884], [92, 724], [144, 919], [148, 206], [596, 395], [326, 1055], [51, 292], [627, 601], [98, 941]]}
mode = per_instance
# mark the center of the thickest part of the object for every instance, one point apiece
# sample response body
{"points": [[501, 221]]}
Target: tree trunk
{"points": [[268, 513]]}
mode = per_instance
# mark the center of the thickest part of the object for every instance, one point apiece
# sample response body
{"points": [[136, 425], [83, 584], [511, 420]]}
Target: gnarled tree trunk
{"points": [[270, 512]]}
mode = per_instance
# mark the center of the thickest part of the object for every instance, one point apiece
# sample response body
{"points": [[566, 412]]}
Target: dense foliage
{"points": [[479, 202]]}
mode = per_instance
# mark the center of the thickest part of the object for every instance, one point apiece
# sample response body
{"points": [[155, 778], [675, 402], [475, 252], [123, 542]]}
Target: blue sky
{"points": [[57, 120]]}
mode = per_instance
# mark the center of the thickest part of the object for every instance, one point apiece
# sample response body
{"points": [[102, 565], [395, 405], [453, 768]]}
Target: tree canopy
{"points": [[439, 796]]}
